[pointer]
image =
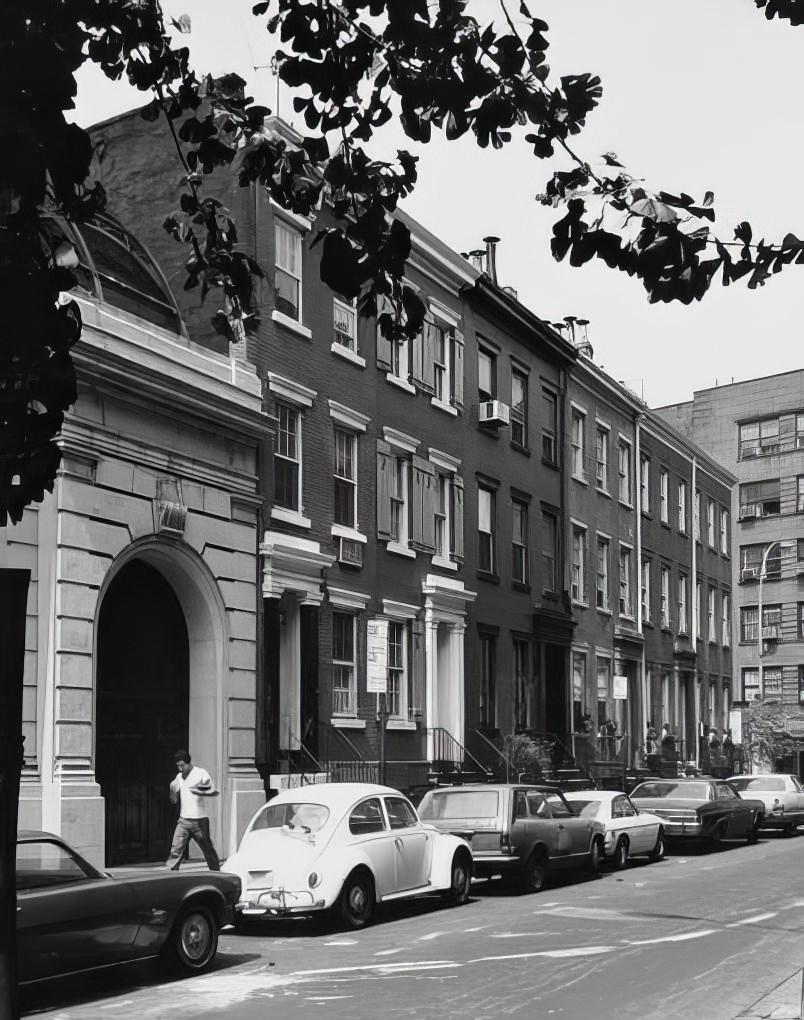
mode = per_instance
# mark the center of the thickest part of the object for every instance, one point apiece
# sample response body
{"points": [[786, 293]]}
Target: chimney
{"points": [[477, 256], [577, 334], [491, 256]]}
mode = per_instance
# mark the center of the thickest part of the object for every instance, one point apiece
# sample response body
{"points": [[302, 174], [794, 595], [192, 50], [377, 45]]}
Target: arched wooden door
{"points": [[142, 711]]}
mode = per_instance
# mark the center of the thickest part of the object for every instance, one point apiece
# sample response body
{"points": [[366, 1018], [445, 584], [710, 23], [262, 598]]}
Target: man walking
{"points": [[189, 788]]}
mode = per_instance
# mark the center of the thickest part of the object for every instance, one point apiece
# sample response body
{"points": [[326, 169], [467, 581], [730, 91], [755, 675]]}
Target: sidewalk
{"points": [[784, 1002]]}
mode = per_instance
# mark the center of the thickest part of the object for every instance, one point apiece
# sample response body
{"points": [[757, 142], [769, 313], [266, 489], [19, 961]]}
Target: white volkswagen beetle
{"points": [[344, 847]]}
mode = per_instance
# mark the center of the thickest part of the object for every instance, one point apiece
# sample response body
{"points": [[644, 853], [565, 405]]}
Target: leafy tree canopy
{"points": [[354, 64]]}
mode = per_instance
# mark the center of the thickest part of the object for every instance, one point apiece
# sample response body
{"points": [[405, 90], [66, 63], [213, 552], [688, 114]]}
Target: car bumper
{"points": [[491, 863], [785, 821], [280, 903], [678, 828]]}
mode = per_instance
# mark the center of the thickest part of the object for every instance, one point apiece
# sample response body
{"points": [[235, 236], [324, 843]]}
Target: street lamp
{"points": [[762, 572]]}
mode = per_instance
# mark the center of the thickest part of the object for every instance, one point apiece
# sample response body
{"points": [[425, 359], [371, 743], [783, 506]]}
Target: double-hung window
{"points": [[487, 529], [626, 601], [682, 507], [519, 541], [644, 484], [486, 374], [344, 320], [397, 694], [287, 458], [624, 471], [288, 271], [447, 509], [344, 675], [664, 496], [345, 478], [549, 552], [724, 532], [725, 621], [602, 574], [711, 598], [519, 408], [487, 688], [578, 444], [578, 564], [711, 512], [645, 591], [666, 586], [523, 699], [549, 426], [696, 516], [683, 601], [602, 458]]}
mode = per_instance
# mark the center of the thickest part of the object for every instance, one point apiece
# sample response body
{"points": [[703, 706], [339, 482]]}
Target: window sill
{"points": [[580, 480], [550, 463], [340, 531], [580, 603], [343, 722], [625, 503], [401, 724], [524, 450], [446, 408], [647, 623], [279, 513], [603, 492], [665, 524], [403, 384], [667, 629], [348, 355], [488, 575], [520, 585], [604, 610], [400, 550], [439, 561], [292, 324]]}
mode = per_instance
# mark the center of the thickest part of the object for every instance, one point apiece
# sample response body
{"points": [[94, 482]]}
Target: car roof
{"points": [[762, 775], [601, 795], [34, 835], [332, 795], [496, 786]]}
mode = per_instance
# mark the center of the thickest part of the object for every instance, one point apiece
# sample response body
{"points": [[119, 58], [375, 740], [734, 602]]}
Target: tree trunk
{"points": [[13, 606]]}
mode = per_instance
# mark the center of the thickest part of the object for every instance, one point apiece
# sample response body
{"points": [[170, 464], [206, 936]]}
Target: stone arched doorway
{"points": [[142, 710]]}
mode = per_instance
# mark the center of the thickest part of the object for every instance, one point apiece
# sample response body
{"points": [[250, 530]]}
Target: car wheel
{"points": [[658, 852], [620, 858], [534, 874], [719, 832], [461, 881], [193, 940], [791, 830], [356, 905], [595, 855]]}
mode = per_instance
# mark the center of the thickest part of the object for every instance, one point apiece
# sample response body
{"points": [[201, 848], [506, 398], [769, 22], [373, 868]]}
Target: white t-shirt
{"points": [[191, 804]]}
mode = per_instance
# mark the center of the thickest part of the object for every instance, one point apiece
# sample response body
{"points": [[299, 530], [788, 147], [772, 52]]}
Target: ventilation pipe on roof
{"points": [[491, 256]]}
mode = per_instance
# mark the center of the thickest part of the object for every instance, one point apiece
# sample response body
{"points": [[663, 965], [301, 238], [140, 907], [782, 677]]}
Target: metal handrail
{"points": [[443, 740], [509, 765]]}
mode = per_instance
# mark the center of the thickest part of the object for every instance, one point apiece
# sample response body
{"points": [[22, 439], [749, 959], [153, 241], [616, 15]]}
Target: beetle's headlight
{"points": [[314, 880]]}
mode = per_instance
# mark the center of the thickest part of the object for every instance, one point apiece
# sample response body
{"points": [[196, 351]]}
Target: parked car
{"points": [[344, 847], [72, 917], [516, 831], [782, 795], [700, 808], [629, 831]]}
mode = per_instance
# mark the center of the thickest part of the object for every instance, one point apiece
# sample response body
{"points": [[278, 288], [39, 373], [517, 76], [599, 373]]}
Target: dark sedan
{"points": [[701, 808], [72, 917]]}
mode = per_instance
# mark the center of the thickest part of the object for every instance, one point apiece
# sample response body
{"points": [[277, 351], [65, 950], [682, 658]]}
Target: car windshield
{"points": [[301, 817], [585, 808], [677, 791], [460, 804], [771, 784]]}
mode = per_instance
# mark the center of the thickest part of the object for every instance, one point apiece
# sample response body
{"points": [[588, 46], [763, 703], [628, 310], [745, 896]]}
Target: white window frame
{"points": [[725, 620], [711, 508], [664, 496], [626, 599], [602, 576], [447, 468], [350, 350], [281, 407], [667, 583], [624, 480], [644, 589], [683, 604], [724, 531], [696, 516], [296, 397], [578, 439], [602, 439], [523, 545], [293, 232], [682, 507], [711, 599], [579, 553], [644, 483], [402, 672], [520, 417], [353, 481], [492, 532], [347, 710]]}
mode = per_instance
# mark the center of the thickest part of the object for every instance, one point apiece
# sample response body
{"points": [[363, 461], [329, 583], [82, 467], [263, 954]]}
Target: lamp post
{"points": [[762, 572]]}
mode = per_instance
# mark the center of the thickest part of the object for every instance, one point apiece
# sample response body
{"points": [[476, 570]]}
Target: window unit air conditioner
{"points": [[350, 553], [749, 573], [494, 412], [750, 510], [770, 632]]}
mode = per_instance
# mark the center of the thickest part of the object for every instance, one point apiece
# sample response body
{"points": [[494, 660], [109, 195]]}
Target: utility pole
{"points": [[13, 609]]}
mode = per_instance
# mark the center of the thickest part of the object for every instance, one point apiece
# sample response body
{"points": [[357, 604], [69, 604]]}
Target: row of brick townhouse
{"points": [[469, 533], [756, 430]]}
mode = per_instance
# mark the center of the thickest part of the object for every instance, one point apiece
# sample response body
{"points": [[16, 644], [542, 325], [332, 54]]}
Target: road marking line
{"points": [[753, 920], [432, 935], [672, 938], [343, 942], [388, 952], [554, 953]]}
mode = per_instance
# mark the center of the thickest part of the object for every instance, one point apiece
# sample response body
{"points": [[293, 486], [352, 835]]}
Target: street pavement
{"points": [[706, 933]]}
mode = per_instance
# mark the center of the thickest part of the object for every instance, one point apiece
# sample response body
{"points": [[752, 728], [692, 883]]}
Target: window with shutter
{"points": [[425, 493], [456, 530]]}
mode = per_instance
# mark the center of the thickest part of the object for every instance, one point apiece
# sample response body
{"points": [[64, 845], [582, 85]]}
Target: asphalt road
{"points": [[703, 934]]}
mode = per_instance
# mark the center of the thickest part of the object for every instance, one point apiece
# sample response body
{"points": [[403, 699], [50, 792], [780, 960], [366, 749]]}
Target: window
{"points": [[683, 601], [696, 517], [724, 532], [644, 589], [519, 541], [725, 621], [602, 574], [345, 479], [401, 354], [438, 340], [626, 605], [749, 622], [666, 587], [287, 277], [711, 513], [682, 507], [486, 375], [578, 689], [397, 694], [519, 408], [664, 496], [699, 610], [400, 814], [448, 514], [486, 529], [287, 458], [549, 426], [751, 557], [771, 436], [578, 564], [367, 817], [801, 621], [760, 499], [399, 500], [602, 458], [344, 318], [44, 865], [711, 597], [750, 683], [624, 471], [549, 552], [772, 682], [800, 494], [644, 484], [344, 677], [603, 678], [578, 443], [487, 714], [523, 705]]}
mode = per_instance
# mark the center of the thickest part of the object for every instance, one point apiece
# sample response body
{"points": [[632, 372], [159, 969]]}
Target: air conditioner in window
{"points": [[494, 412], [749, 573], [770, 632], [750, 451], [750, 510], [350, 552]]}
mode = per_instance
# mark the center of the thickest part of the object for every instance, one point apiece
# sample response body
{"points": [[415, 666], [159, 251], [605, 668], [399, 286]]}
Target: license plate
{"points": [[263, 879]]}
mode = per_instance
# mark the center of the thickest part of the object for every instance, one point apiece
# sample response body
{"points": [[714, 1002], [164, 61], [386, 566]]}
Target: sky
{"points": [[697, 96]]}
